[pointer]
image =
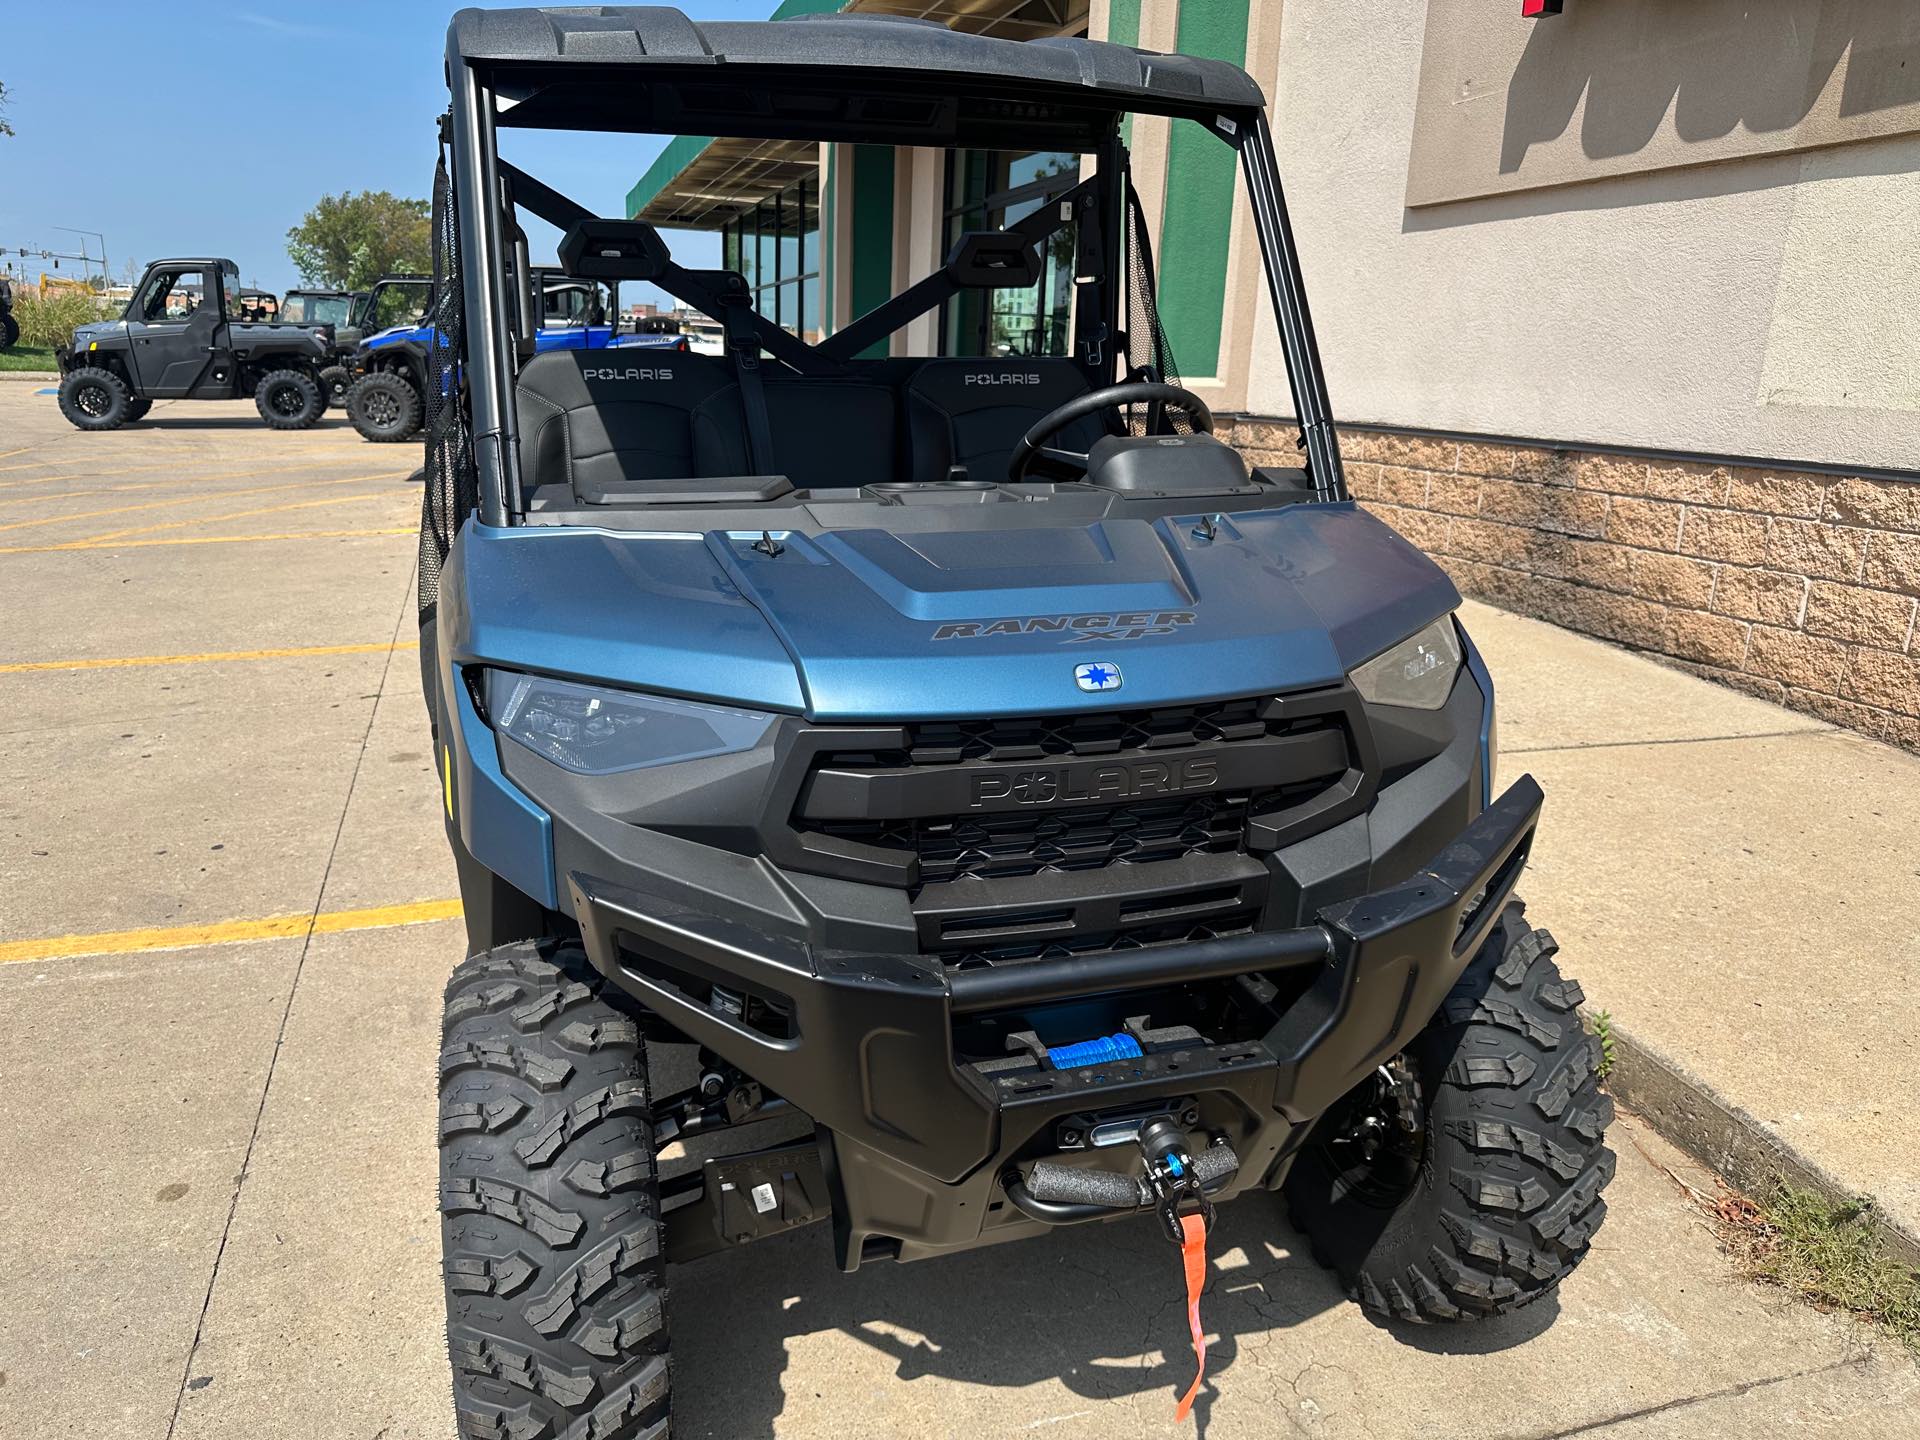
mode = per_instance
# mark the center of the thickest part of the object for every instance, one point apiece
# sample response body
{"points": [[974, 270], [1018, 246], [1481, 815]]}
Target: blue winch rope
{"points": [[1094, 1052]]}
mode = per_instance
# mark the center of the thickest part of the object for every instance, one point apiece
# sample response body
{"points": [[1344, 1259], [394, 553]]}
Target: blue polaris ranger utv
{"points": [[389, 366], [1023, 812]]}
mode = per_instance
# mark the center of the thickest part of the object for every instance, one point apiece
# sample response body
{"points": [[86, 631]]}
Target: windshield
{"points": [[395, 302], [574, 304], [299, 309], [874, 318]]}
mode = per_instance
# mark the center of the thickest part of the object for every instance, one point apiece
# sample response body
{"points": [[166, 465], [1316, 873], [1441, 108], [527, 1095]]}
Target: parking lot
{"points": [[226, 913]]}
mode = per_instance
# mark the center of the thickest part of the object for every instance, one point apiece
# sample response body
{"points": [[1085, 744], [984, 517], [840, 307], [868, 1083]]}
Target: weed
{"points": [[1603, 1032], [1828, 1253]]}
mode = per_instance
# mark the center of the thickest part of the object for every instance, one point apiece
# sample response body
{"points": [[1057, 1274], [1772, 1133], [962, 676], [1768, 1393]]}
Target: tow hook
{"points": [[1173, 1177]]}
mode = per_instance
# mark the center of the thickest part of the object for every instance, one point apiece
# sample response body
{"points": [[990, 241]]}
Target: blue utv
{"points": [[386, 398], [1009, 808]]}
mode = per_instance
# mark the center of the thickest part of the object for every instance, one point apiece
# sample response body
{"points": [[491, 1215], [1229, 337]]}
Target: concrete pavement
{"points": [[1734, 883], [218, 1215]]}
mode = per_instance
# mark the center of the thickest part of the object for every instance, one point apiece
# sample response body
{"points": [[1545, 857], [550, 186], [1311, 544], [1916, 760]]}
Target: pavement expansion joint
{"points": [[286, 1014]]}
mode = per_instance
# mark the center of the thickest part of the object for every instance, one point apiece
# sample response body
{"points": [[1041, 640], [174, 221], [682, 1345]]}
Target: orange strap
{"points": [[1193, 1254]]}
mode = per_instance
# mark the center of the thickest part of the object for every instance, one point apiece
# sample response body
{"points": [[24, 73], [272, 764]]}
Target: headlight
{"points": [[595, 731], [1417, 673]]}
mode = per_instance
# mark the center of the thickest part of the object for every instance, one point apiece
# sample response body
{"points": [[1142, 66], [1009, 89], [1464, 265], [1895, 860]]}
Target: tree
{"points": [[347, 241], [5, 128]]}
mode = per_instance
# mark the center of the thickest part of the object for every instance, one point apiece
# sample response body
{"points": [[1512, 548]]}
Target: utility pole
{"points": [[106, 275]]}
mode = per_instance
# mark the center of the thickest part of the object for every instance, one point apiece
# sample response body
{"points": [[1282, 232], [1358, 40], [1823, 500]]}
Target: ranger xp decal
{"points": [[1073, 629]]}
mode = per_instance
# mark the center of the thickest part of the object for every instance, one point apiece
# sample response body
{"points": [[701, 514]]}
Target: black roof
{"points": [[553, 62]]}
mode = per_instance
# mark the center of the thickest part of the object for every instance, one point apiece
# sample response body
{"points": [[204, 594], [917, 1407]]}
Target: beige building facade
{"points": [[1632, 296]]}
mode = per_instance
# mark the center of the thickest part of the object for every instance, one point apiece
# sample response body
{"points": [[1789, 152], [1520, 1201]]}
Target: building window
{"points": [[776, 246], [990, 190]]}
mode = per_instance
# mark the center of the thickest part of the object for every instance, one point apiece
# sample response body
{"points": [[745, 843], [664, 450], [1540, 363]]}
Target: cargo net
{"points": [[1149, 357], [453, 486]]}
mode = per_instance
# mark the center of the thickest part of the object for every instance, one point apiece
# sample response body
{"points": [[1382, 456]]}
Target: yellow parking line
{"points": [[190, 500], [209, 657], [226, 932], [203, 540], [83, 494], [230, 515], [21, 451], [186, 463], [175, 484]]}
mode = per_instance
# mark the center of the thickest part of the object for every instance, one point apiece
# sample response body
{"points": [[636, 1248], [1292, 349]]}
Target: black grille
{"points": [[1076, 737], [1029, 842], [944, 842], [1173, 932]]}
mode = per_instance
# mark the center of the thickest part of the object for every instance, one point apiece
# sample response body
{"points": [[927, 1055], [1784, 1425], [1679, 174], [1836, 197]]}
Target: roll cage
{"points": [[844, 79]]}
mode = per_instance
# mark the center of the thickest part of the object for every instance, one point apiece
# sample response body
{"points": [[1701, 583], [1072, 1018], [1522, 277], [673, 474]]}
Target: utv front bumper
{"points": [[919, 1140]]}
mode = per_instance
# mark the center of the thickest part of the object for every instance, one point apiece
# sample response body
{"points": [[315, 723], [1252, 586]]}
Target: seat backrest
{"points": [[973, 412], [604, 416], [827, 433]]}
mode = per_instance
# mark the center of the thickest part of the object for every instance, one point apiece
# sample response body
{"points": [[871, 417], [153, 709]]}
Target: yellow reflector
{"points": [[93, 344], [446, 770]]}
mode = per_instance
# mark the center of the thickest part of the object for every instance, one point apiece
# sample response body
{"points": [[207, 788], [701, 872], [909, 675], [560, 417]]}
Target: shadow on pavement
{"points": [[187, 420], [1088, 1306]]}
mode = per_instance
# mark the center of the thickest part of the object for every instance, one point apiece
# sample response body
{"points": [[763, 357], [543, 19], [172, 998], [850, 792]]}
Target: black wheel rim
{"points": [[286, 400], [92, 400], [382, 409], [1365, 1141]]}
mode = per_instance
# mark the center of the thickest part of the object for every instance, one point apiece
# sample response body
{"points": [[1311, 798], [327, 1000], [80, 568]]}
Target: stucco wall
{"points": [[1762, 306]]}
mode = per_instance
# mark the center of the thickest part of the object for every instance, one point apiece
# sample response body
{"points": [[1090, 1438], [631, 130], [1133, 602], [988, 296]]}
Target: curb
{"points": [[1726, 1139], [37, 376]]}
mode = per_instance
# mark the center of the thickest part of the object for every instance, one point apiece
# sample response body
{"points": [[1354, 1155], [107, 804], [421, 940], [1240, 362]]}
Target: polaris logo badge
{"points": [[988, 377], [632, 372], [1097, 677], [1074, 629], [1065, 784]]}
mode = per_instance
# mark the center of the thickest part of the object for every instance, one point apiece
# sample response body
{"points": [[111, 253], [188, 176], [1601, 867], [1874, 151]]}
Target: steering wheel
{"points": [[1033, 445]]}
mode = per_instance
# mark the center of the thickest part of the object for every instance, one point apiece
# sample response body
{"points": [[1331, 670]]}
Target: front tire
{"points": [[555, 1281], [1496, 1200], [384, 407], [289, 400], [94, 399], [9, 331]]}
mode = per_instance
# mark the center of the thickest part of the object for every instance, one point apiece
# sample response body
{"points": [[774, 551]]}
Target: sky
{"points": [[256, 110]]}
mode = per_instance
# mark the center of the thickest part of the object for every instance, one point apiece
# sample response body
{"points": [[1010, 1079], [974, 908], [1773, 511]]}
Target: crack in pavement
{"points": [[1674, 740], [286, 1014], [1727, 1392]]}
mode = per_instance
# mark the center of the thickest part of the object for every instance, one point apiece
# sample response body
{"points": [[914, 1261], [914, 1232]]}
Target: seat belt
{"points": [[743, 345]]}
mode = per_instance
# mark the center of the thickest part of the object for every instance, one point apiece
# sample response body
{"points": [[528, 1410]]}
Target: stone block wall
{"points": [[1800, 588]]}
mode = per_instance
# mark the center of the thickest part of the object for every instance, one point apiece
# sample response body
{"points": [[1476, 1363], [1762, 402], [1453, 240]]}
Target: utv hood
{"points": [[83, 335], [866, 624]]}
